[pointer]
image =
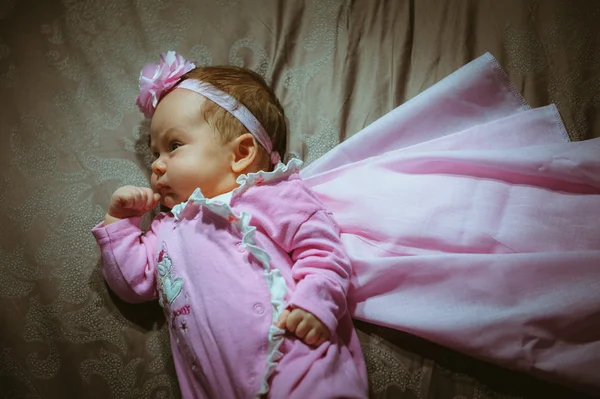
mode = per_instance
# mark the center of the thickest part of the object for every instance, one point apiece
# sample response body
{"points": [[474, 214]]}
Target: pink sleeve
{"points": [[321, 268], [128, 258]]}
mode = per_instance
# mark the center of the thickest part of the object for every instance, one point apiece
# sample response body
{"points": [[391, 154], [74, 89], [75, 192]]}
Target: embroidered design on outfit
{"points": [[183, 311], [169, 287]]}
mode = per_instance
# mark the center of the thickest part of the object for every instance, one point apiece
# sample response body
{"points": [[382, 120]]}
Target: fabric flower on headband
{"points": [[156, 79]]}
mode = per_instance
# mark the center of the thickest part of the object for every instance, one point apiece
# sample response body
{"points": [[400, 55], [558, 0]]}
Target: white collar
{"points": [[225, 198], [221, 203]]}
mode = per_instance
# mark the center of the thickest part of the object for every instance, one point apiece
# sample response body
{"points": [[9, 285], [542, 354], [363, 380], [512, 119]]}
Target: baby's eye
{"points": [[155, 155], [175, 146]]}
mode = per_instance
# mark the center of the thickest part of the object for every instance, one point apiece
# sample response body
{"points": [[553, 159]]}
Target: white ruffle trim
{"points": [[275, 280], [281, 170]]}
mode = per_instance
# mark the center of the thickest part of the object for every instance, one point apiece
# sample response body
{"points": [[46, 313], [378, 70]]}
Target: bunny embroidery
{"points": [[169, 286]]}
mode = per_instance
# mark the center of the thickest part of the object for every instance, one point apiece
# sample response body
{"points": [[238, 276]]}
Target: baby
{"points": [[247, 264]]}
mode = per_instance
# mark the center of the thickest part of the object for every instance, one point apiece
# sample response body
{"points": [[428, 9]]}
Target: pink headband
{"points": [[156, 79]]}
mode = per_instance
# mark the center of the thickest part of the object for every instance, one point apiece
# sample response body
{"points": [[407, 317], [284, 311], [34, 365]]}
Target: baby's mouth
{"points": [[162, 190]]}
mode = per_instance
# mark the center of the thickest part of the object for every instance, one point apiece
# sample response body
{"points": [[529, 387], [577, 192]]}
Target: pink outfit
{"points": [[224, 268], [471, 221]]}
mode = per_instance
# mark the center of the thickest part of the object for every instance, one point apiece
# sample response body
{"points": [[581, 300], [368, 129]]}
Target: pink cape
{"points": [[473, 222]]}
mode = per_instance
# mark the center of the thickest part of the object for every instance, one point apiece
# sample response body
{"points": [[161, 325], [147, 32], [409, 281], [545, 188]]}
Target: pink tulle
{"points": [[472, 221]]}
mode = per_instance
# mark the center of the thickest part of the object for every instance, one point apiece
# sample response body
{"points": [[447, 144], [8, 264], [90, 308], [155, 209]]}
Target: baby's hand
{"points": [[129, 201], [304, 325]]}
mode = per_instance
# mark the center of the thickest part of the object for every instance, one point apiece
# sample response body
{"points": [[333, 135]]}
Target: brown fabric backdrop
{"points": [[70, 134]]}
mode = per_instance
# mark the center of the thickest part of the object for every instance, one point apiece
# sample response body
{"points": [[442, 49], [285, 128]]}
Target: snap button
{"points": [[259, 308], [240, 247]]}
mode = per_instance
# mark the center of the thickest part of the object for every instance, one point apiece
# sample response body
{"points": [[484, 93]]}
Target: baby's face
{"points": [[188, 152]]}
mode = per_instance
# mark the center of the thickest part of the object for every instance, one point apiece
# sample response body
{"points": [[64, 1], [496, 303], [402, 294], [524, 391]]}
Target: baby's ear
{"points": [[246, 151]]}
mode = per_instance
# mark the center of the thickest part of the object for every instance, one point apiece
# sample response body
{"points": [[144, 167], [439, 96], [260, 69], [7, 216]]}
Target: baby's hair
{"points": [[250, 89]]}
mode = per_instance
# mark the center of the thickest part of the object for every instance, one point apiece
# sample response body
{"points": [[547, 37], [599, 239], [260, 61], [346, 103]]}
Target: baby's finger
{"points": [[149, 200], [147, 192], [136, 199], [320, 341], [126, 200], [155, 200], [324, 332], [294, 318], [302, 329], [141, 200], [149, 197], [312, 337], [281, 322]]}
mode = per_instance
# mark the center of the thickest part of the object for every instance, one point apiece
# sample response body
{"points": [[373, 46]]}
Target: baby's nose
{"points": [[158, 167]]}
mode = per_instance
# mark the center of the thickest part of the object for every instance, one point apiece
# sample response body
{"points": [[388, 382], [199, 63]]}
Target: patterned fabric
{"points": [[70, 134]]}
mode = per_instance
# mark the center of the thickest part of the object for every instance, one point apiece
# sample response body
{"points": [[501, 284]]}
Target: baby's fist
{"points": [[129, 201], [304, 325]]}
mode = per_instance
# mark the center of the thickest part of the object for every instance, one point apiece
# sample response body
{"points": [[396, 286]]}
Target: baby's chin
{"points": [[169, 201]]}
